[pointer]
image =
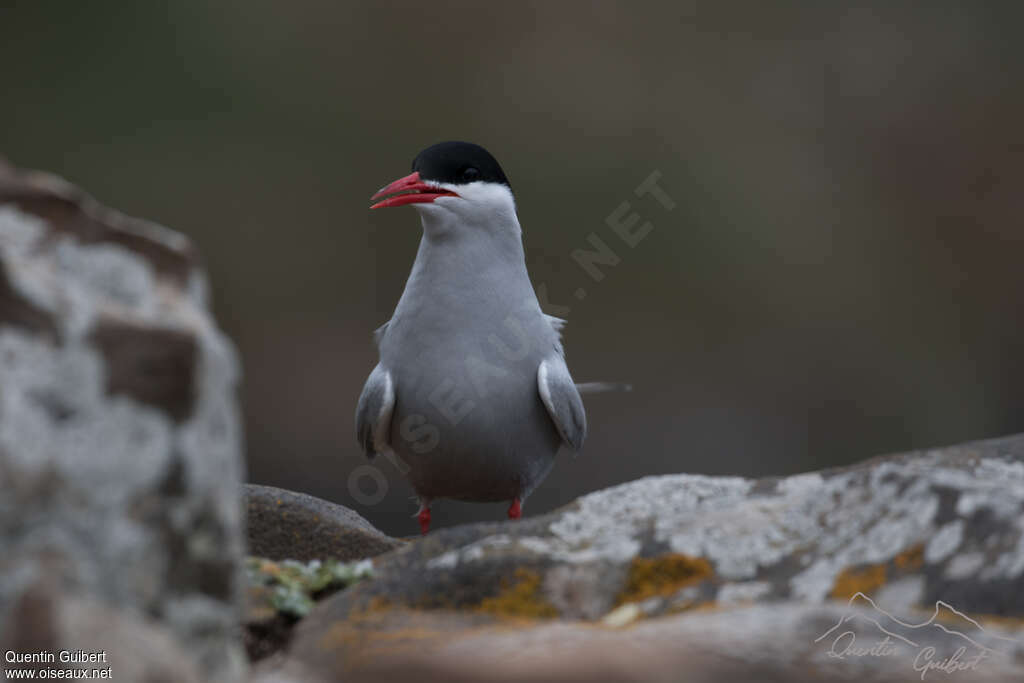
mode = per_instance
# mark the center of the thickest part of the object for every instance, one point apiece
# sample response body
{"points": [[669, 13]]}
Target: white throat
{"points": [[472, 242], [481, 209]]}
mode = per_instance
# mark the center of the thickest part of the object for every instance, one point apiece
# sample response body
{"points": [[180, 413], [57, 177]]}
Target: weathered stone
{"points": [[153, 366], [120, 440], [129, 647], [280, 593], [771, 642], [687, 573], [283, 670], [286, 525]]}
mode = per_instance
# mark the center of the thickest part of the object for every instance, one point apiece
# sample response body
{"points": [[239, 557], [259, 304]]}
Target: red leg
{"points": [[424, 517], [515, 510]]}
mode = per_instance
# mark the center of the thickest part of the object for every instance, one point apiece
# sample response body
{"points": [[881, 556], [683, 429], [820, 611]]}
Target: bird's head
{"points": [[454, 184]]}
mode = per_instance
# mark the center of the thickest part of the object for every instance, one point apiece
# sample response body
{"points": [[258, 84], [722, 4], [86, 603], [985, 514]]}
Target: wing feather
{"points": [[373, 412], [562, 400]]}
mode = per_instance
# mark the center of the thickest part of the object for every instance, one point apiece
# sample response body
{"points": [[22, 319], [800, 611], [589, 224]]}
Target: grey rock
{"points": [[128, 646], [285, 525], [120, 439], [282, 670], [752, 643], [718, 571]]}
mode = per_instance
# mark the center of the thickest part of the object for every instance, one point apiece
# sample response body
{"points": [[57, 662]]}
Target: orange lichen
{"points": [[705, 606], [384, 632], [380, 631], [662, 575], [853, 580], [379, 603], [522, 598], [910, 559]]}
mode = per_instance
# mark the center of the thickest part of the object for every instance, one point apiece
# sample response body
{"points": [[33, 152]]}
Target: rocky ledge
{"points": [[121, 523], [880, 571], [284, 525], [120, 442]]}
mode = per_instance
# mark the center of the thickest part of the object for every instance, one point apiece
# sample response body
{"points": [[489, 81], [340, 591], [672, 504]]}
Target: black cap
{"points": [[459, 163]]}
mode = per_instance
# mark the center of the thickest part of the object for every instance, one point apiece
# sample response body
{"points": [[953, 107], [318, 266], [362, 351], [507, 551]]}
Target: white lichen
{"points": [[104, 457], [945, 541]]}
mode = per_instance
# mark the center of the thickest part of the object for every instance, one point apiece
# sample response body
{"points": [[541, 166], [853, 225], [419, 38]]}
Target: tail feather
{"points": [[602, 387]]}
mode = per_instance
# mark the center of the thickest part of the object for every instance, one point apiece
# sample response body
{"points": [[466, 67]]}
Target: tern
{"points": [[472, 391]]}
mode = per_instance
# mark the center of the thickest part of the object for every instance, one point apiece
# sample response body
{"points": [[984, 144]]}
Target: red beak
{"points": [[409, 190]]}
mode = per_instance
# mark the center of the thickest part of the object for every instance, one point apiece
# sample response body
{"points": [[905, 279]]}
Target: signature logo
{"points": [[947, 642]]}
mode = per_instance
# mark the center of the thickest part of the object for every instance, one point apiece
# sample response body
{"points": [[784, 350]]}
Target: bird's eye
{"points": [[470, 174]]}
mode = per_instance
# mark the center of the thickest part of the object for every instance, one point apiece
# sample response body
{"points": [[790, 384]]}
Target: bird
{"points": [[471, 391]]}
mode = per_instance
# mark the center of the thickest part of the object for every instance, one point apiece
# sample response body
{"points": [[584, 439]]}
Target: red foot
{"points": [[424, 517], [515, 511]]}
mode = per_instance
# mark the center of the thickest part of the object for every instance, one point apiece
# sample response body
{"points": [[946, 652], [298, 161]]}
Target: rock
{"points": [[287, 525], [120, 439], [283, 670], [128, 646], [718, 577], [769, 642], [281, 593]]}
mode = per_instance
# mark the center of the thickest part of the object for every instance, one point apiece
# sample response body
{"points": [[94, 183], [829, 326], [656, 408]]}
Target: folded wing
{"points": [[374, 411], [562, 400]]}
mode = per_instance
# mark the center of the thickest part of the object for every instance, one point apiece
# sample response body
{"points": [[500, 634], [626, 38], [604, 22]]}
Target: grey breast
{"points": [[469, 421]]}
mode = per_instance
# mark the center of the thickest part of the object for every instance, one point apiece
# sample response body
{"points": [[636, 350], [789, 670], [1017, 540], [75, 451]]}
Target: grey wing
{"points": [[374, 411], [560, 397]]}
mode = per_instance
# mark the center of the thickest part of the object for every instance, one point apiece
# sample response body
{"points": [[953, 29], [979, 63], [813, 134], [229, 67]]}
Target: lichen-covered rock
{"points": [[129, 646], [120, 440], [283, 525], [924, 535], [281, 593], [750, 643]]}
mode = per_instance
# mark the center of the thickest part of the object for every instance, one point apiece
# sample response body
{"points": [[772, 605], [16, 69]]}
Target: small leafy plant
{"points": [[293, 587]]}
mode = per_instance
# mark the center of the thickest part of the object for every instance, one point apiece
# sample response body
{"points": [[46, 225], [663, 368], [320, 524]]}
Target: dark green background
{"points": [[842, 275]]}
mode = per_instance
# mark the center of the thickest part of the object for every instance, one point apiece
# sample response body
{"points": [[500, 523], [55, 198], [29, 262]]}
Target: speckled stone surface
{"points": [[717, 561], [740, 644], [120, 440], [283, 525]]}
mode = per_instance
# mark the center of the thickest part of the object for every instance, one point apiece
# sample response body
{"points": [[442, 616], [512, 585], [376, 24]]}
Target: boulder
{"points": [[281, 593], [122, 645], [879, 571], [283, 525], [120, 438]]}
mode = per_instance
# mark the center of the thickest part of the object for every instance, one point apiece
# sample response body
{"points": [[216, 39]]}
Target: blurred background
{"points": [[842, 275]]}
